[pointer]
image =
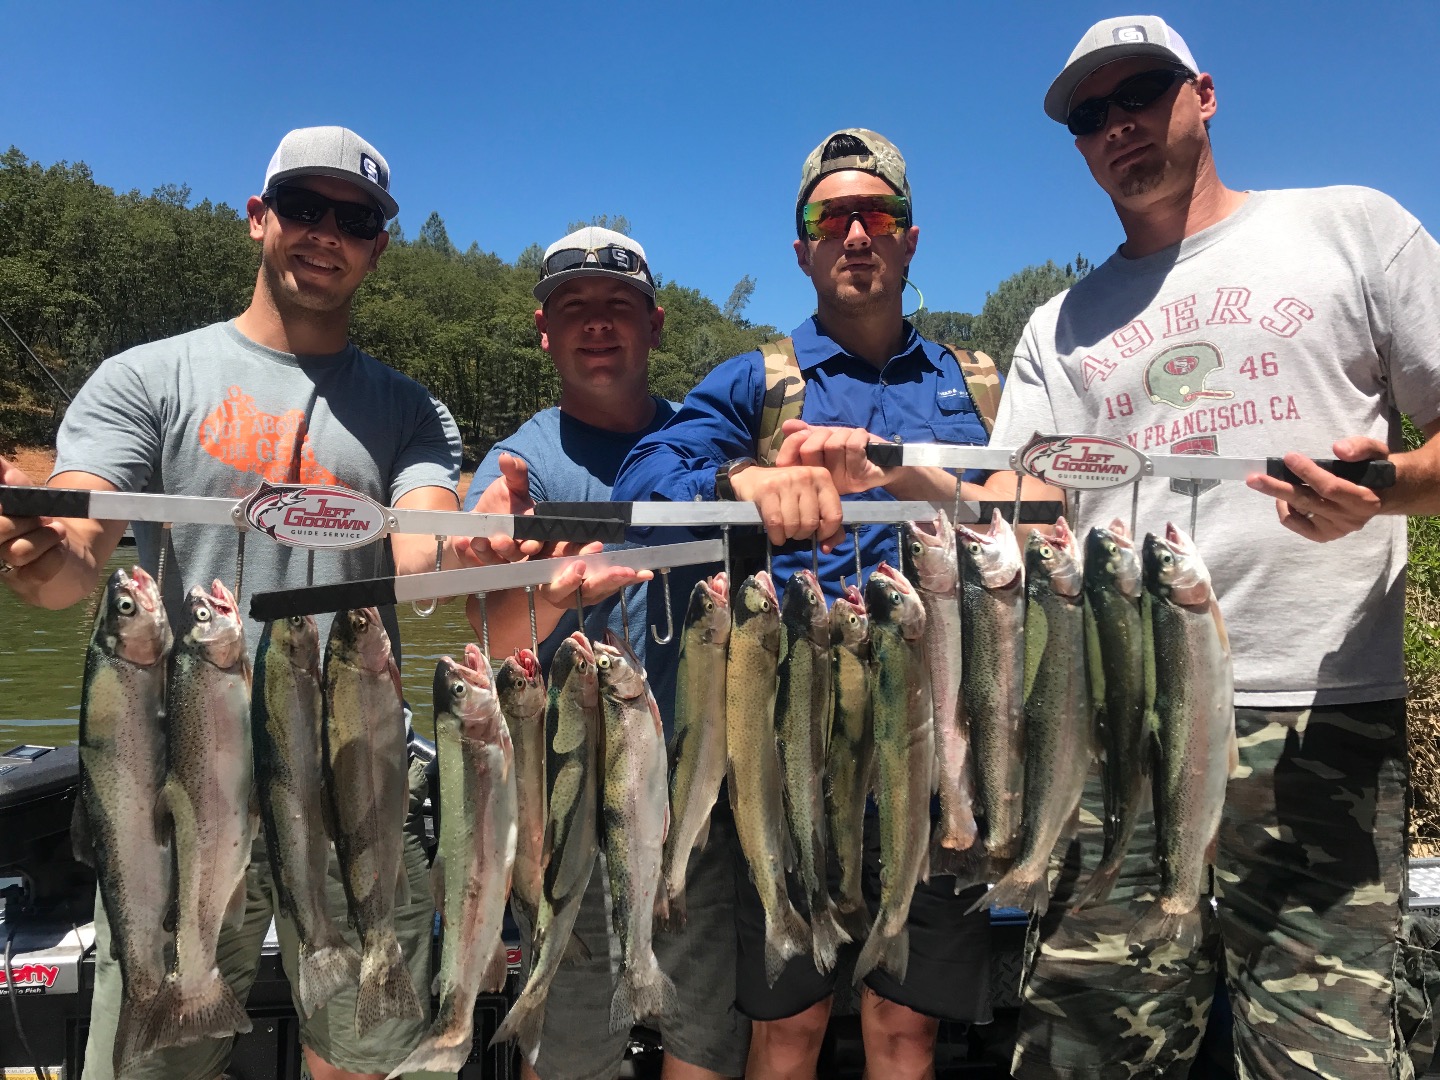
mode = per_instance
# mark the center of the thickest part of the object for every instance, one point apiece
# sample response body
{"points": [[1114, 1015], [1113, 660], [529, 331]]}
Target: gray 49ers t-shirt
{"points": [[1304, 317], [212, 413]]}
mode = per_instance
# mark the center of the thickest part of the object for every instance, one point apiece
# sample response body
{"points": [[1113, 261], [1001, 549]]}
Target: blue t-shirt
{"points": [[919, 395], [571, 461]]}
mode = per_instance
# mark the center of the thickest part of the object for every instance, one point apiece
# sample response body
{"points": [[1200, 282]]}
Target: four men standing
{"points": [[1227, 323]]}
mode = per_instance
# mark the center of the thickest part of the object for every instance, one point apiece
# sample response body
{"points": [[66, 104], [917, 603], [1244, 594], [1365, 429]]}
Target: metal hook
{"points": [[1134, 507], [624, 615], [669, 613], [859, 567], [1019, 487], [725, 543], [815, 557], [430, 605], [310, 567], [161, 560], [1075, 513], [769, 566], [239, 562], [484, 623], [1194, 508], [534, 627]]}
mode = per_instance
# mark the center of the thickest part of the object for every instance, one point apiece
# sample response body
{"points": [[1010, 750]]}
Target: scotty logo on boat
{"points": [[1081, 462], [314, 516], [30, 978]]}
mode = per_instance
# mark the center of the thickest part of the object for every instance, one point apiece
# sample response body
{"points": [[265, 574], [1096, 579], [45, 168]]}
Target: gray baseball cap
{"points": [[625, 259], [881, 158], [1110, 40], [337, 152]]}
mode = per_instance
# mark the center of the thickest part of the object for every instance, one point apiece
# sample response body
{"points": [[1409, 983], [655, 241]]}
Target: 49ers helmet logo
{"points": [[1177, 375]]}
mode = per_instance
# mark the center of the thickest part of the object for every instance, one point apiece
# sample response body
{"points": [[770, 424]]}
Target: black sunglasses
{"points": [[1134, 95], [611, 257], [360, 220]]}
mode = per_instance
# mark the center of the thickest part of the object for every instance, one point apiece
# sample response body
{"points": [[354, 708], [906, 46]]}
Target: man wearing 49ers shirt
{"points": [[1245, 324]]}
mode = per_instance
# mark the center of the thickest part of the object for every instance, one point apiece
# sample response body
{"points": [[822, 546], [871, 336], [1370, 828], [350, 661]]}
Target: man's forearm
{"points": [[1417, 479]]}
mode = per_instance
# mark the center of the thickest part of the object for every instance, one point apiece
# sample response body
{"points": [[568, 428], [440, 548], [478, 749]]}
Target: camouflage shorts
{"points": [[1308, 880]]}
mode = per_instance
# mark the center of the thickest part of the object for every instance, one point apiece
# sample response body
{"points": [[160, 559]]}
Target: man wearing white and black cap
{"points": [[598, 321], [1244, 324], [277, 394]]}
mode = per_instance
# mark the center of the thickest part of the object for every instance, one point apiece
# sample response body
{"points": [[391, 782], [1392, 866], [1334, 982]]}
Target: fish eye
{"points": [[202, 614], [709, 604], [457, 687], [297, 621], [764, 605], [125, 605], [972, 547], [359, 622], [916, 547], [602, 661], [1046, 551]]}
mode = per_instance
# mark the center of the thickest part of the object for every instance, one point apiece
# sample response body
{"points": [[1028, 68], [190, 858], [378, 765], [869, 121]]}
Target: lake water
{"points": [[42, 662]]}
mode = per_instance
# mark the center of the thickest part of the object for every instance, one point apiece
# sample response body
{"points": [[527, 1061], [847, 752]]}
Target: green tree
{"points": [[997, 329], [616, 223], [739, 298], [434, 235], [947, 327], [530, 258]]}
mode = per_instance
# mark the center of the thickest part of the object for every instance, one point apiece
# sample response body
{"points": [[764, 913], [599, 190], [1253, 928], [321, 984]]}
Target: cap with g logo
{"points": [[628, 254], [1110, 40], [337, 152]]}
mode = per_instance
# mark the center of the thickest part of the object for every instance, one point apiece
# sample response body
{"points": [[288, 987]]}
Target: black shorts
{"points": [[948, 976]]}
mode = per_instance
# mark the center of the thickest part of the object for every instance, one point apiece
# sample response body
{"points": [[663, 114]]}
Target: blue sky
{"points": [[692, 119]]}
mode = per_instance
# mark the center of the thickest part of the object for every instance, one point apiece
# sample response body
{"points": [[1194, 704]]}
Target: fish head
{"points": [[1055, 559], [1111, 561], [359, 637], [573, 670], [298, 637], [709, 609], [928, 554], [757, 608], [519, 684], [131, 622], [465, 691], [213, 625], [1174, 570], [994, 556], [889, 597], [803, 607], [617, 668], [849, 622]]}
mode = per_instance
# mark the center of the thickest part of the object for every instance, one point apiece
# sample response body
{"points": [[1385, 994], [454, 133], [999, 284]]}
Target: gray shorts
{"points": [[706, 1031], [330, 1032]]}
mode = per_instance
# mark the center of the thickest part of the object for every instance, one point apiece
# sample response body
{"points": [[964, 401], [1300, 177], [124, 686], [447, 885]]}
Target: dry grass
{"points": [[1423, 611]]}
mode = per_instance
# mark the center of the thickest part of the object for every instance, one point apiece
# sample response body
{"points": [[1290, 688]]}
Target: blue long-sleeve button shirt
{"points": [[918, 396]]}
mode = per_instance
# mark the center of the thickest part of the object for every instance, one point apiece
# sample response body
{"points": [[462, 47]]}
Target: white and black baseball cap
{"points": [[1110, 40], [594, 252], [333, 151]]}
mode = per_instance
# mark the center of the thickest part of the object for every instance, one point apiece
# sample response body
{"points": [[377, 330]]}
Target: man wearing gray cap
{"points": [[1244, 324], [278, 394], [598, 321]]}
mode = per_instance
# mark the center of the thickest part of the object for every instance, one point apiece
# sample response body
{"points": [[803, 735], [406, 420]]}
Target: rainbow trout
{"points": [[803, 705], [1115, 639], [286, 714], [1190, 697], [932, 567], [636, 816], [850, 763], [1058, 733], [122, 770], [471, 874], [697, 749], [367, 785], [573, 744], [210, 794], [992, 694], [905, 762], [751, 683], [521, 689]]}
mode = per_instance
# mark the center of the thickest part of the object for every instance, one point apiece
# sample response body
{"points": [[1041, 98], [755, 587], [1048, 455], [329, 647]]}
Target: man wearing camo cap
{"points": [[867, 375]]}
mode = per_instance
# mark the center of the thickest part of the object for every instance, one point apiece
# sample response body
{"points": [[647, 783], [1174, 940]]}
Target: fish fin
{"points": [[827, 935], [1097, 889], [576, 951], [82, 843], [1232, 753], [645, 996], [518, 906], [525, 1020], [437, 884], [1037, 632], [964, 865], [386, 990], [135, 1016], [1015, 892], [891, 954], [324, 970], [676, 914], [234, 916], [213, 1013], [497, 971], [854, 920], [434, 1055], [702, 837], [1094, 663], [404, 896], [1157, 924], [785, 941]]}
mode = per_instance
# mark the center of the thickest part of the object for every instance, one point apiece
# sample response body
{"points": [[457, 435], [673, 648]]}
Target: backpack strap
{"points": [[784, 397], [982, 381]]}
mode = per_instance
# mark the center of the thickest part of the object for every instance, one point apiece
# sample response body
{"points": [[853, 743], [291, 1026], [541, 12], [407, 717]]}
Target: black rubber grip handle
{"points": [[588, 511], [885, 454], [1377, 474], [44, 502], [322, 599], [576, 530], [1036, 512]]}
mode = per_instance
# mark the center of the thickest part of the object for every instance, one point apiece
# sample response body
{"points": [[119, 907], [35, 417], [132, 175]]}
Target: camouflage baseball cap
{"points": [[881, 158]]}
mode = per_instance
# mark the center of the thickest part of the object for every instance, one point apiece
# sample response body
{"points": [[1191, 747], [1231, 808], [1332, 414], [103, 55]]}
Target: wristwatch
{"points": [[725, 476]]}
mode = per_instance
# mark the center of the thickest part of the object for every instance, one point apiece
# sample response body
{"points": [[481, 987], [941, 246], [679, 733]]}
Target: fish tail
{"points": [[1097, 889], [445, 1049], [641, 995], [854, 918], [176, 1020], [786, 937], [827, 934], [134, 1019], [525, 1019], [386, 990], [883, 951], [1014, 891], [1158, 924], [963, 864], [324, 970], [675, 917]]}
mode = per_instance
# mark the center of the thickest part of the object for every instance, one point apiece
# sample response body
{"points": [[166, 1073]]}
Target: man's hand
{"points": [[796, 502], [1324, 507], [840, 451], [32, 548], [508, 493]]}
